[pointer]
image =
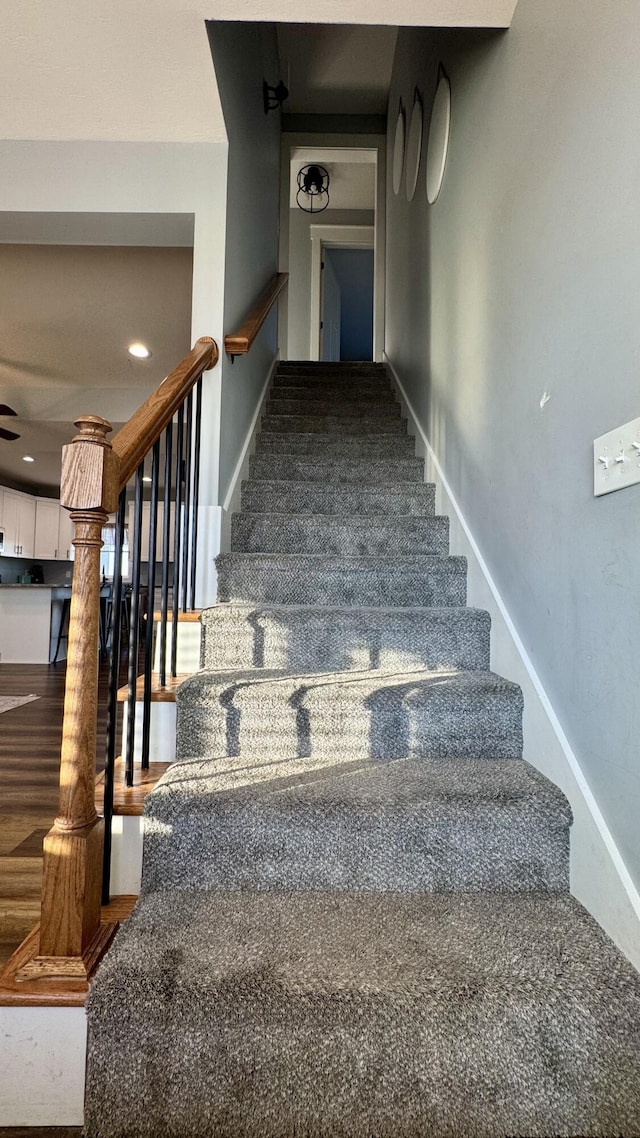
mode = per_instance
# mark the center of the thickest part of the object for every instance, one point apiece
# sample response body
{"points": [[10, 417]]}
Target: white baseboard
{"points": [[599, 877], [231, 502], [127, 834], [209, 529]]}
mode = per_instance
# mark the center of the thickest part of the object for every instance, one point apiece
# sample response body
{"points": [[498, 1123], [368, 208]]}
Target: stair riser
{"points": [[386, 446], [294, 468], [342, 640], [414, 499], [330, 367], [260, 722], [333, 425], [280, 533], [429, 851], [371, 409], [351, 390], [438, 584]]}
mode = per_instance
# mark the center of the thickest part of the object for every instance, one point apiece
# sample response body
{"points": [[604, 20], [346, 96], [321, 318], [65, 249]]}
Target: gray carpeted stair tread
{"points": [[416, 499], [308, 578], [292, 387], [347, 536], [270, 442], [315, 468], [300, 637], [371, 410], [377, 714], [403, 827], [335, 424], [371, 1014]]}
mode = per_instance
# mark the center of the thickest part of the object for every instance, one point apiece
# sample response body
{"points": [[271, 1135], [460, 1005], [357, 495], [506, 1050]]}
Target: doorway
{"points": [[346, 320], [330, 239], [354, 217]]}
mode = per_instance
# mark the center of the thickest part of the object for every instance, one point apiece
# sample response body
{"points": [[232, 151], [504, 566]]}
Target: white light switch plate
{"points": [[616, 459]]}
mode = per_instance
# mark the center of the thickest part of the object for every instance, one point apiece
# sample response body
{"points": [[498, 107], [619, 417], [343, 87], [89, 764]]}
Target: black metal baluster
{"points": [[112, 698], [176, 543], [187, 501], [196, 491], [166, 539], [134, 624], [151, 588]]}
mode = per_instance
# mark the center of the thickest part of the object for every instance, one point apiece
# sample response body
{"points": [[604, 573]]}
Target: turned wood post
{"points": [[70, 931]]}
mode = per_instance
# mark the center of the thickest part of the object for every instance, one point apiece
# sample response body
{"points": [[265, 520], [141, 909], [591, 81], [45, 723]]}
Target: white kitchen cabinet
{"points": [[27, 526], [19, 524], [47, 525], [10, 522], [65, 536], [146, 519]]}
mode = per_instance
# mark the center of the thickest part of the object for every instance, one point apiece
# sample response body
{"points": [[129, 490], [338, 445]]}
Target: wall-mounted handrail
{"points": [[238, 343], [95, 473]]}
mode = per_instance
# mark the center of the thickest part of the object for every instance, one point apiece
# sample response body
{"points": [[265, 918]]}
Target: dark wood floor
{"points": [[29, 761]]}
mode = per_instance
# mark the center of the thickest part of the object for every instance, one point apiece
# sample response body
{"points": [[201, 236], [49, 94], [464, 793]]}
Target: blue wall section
{"points": [[354, 271]]}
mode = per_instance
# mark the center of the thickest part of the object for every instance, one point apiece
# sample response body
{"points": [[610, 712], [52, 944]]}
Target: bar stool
{"points": [[106, 620], [63, 627]]}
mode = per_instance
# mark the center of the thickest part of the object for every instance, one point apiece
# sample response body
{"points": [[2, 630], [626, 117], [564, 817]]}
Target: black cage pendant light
{"points": [[313, 188]]}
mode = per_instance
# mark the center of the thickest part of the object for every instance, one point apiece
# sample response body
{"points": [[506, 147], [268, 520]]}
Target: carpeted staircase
{"points": [[355, 919]]}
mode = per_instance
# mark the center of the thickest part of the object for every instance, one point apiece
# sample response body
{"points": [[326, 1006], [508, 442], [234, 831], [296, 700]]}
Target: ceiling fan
{"points": [[9, 436]]}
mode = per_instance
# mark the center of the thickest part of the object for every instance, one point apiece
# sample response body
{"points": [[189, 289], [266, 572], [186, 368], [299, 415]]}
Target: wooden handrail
{"points": [[136, 438], [94, 471], [238, 343]]}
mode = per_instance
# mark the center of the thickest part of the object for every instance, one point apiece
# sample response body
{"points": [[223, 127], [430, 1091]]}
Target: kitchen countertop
{"points": [[17, 586]]}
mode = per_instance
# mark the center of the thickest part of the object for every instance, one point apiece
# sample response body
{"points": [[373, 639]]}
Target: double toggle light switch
{"points": [[616, 457]]}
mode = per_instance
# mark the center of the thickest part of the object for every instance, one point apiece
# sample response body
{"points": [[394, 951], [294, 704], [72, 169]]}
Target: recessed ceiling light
{"points": [[147, 478], [27, 458], [140, 351]]}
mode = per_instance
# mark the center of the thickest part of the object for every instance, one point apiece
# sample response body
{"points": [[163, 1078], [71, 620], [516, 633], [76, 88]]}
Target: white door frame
{"points": [[336, 237]]}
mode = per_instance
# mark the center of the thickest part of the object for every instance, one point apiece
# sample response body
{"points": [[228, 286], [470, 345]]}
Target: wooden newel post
{"points": [[72, 938]]}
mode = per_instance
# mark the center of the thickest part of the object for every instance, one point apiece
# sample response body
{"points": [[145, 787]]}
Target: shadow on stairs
{"points": [[355, 915]]}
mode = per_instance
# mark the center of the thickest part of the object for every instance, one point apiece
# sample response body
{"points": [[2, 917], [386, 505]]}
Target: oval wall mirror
{"points": [[438, 144], [414, 147], [398, 151]]}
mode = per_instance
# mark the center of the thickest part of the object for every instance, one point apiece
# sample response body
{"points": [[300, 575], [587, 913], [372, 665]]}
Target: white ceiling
{"points": [[122, 70], [107, 70], [409, 13], [67, 316], [333, 69]]}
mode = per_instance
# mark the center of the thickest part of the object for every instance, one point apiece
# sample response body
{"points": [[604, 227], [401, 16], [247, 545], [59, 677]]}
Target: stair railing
{"points": [[95, 477], [239, 343]]}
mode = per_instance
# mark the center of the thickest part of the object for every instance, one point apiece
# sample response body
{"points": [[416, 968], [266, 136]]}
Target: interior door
{"points": [[331, 304]]}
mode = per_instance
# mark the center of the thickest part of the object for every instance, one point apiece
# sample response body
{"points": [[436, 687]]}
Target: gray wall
{"points": [[524, 279], [299, 290], [244, 55]]}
